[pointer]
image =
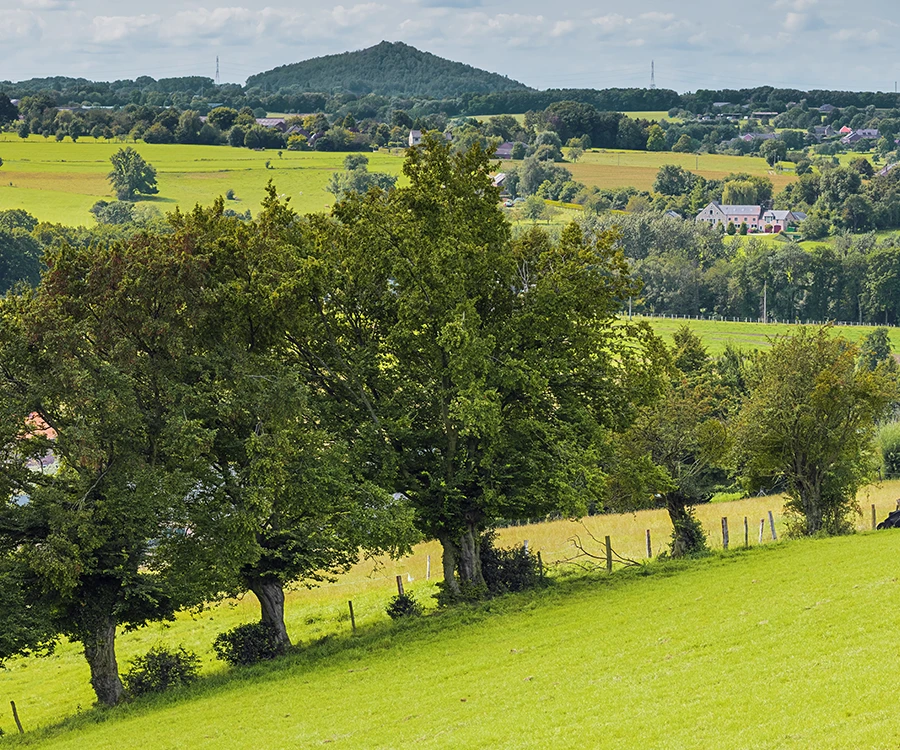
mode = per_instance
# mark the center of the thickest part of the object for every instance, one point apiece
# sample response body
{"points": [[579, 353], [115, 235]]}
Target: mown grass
{"points": [[60, 181], [569, 667], [612, 168], [717, 333]]}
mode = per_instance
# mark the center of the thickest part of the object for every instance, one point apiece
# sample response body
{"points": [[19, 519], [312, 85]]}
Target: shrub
{"points": [[889, 444], [403, 605], [506, 570], [160, 669], [247, 644]]}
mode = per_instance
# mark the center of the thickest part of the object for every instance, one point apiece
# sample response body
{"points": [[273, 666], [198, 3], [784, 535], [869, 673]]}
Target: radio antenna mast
{"points": [[652, 74], [217, 71]]}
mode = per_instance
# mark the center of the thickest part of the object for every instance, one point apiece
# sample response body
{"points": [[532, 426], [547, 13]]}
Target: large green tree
{"points": [[131, 175], [93, 372], [481, 371], [809, 423]]}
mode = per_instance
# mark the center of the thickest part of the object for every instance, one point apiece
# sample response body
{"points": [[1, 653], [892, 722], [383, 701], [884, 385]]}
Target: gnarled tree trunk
{"points": [[687, 535], [100, 652], [462, 561], [270, 593]]}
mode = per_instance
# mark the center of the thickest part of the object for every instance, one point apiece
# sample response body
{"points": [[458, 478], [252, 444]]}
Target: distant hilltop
{"points": [[387, 69]]}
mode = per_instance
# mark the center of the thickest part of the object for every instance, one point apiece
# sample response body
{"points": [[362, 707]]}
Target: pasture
{"points": [[751, 648], [59, 182], [612, 168], [715, 334]]}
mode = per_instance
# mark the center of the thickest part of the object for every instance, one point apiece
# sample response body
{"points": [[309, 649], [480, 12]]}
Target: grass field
{"points": [[617, 169], [60, 181], [695, 656], [717, 333]]}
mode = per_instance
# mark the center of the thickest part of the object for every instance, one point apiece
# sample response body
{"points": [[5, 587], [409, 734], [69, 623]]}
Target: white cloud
{"points": [[610, 23], [21, 24], [119, 28], [796, 5], [656, 17], [48, 4], [857, 36], [561, 28]]}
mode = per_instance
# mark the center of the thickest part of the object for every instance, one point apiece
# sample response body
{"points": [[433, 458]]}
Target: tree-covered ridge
{"points": [[390, 69]]}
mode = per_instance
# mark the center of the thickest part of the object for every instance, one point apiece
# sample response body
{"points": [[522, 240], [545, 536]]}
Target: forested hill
{"points": [[388, 69]]}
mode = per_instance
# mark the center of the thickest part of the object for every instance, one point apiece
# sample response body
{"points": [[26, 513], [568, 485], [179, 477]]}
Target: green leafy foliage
{"points": [[809, 422], [403, 605], [131, 175], [389, 69], [161, 669], [248, 644]]}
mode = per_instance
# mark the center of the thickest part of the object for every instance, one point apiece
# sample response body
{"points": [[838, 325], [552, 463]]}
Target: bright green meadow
{"points": [[717, 333], [787, 645], [59, 182]]}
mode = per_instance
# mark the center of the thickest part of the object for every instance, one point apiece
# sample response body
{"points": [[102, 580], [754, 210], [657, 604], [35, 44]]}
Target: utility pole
{"points": [[765, 302], [218, 81]]}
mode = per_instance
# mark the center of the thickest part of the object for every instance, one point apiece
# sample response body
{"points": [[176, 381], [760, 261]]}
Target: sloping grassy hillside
{"points": [[788, 645]]}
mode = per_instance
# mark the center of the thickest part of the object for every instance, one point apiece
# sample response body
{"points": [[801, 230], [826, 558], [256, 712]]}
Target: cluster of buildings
{"points": [[757, 218]]}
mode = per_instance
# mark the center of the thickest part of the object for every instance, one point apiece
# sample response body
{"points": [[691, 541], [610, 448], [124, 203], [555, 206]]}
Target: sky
{"points": [[695, 44]]}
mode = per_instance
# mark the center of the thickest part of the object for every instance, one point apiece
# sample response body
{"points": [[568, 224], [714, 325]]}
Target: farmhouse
{"points": [[756, 218], [855, 136], [716, 213], [747, 137], [780, 221], [415, 138]]}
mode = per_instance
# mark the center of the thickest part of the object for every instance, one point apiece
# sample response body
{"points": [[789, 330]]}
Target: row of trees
{"points": [[690, 269], [243, 405]]}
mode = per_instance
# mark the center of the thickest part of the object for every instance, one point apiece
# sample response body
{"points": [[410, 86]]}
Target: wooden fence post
{"points": [[352, 616], [525, 546], [746, 532], [400, 585], [772, 525], [649, 546], [874, 519], [608, 555], [762, 528], [724, 532], [428, 568], [16, 717], [540, 565]]}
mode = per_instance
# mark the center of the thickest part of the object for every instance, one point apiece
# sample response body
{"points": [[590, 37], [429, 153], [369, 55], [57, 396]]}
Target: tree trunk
{"points": [[100, 652], [462, 562], [448, 560], [469, 566], [812, 509], [270, 593], [687, 535]]}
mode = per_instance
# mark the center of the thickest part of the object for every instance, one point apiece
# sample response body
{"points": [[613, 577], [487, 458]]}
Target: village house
{"points": [[781, 221], [855, 136], [756, 218], [415, 138], [504, 151], [716, 213], [747, 137]]}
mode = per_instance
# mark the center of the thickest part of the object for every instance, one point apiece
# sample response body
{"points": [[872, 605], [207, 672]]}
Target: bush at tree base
{"points": [[247, 644], [506, 570], [160, 669], [403, 605]]}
